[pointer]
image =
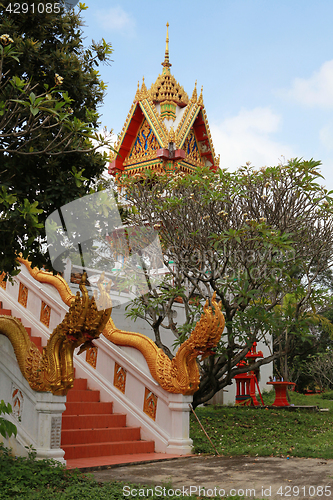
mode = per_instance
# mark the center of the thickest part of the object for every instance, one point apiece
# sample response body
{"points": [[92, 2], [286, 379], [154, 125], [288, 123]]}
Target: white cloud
{"points": [[246, 137], [314, 91], [115, 19], [326, 135]]}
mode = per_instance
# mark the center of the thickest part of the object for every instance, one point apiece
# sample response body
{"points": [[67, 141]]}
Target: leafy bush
{"points": [[6, 427], [327, 395]]}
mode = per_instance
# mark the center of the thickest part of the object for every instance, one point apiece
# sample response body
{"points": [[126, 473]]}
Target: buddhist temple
{"points": [[165, 131]]}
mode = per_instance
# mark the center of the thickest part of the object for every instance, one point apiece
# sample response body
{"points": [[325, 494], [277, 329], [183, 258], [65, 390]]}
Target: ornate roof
{"points": [[166, 87], [164, 130]]}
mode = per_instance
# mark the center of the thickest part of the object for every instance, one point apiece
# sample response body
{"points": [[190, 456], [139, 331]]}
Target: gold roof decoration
{"points": [[200, 100], [166, 63], [166, 87], [194, 97], [144, 91], [172, 137], [138, 93]]}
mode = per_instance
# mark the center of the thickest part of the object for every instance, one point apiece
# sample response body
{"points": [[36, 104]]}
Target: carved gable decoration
{"points": [[191, 148], [145, 145]]}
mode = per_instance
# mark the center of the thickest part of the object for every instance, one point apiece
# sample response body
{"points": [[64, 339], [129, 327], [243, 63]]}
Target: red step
{"points": [[88, 421], [75, 396], [107, 449], [100, 435], [91, 430], [36, 340], [5, 312], [85, 408]]}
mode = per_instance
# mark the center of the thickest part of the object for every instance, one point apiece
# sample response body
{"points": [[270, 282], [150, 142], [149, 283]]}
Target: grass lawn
{"points": [[236, 430]]}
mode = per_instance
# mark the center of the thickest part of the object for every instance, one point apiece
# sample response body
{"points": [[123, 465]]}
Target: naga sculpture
{"points": [[181, 374], [53, 370]]}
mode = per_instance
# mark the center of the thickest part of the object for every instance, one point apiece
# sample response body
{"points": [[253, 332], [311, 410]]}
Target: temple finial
{"points": [[200, 100], [138, 93], [166, 63], [195, 95]]}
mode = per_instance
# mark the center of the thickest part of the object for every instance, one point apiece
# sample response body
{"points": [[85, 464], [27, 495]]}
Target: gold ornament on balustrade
{"points": [[119, 378], [45, 314], [91, 356], [150, 404], [23, 295], [3, 283], [53, 370], [179, 375]]}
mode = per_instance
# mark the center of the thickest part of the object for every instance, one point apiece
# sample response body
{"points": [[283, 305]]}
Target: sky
{"points": [[266, 67]]}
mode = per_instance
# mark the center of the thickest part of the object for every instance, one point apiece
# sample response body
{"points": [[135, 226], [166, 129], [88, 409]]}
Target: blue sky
{"points": [[266, 68]]}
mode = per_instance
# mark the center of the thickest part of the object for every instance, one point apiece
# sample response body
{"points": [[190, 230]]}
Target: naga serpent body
{"points": [[53, 370]]}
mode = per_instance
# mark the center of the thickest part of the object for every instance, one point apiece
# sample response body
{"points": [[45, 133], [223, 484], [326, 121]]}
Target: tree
{"points": [[254, 238], [50, 90]]}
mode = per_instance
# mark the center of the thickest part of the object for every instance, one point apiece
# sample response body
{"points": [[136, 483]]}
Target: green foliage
{"points": [[30, 479], [327, 395], [266, 432], [7, 428], [50, 90], [261, 239]]}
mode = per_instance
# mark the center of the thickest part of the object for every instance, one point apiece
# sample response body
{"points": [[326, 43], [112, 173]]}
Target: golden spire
{"points": [[138, 93], [194, 95], [166, 64], [200, 100], [144, 91]]}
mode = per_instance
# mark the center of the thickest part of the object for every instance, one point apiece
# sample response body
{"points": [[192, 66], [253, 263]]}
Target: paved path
{"points": [[270, 477]]}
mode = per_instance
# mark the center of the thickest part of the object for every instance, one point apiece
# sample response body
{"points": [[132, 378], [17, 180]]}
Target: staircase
{"points": [[90, 430]]}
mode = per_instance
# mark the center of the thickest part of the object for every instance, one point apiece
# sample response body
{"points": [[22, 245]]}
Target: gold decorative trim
{"points": [[194, 97], [152, 116], [166, 88], [55, 280], [119, 378], [17, 402], [150, 404], [23, 295], [181, 374], [45, 314], [53, 371], [200, 100], [91, 356], [189, 116], [210, 141], [122, 134], [3, 283], [192, 149]]}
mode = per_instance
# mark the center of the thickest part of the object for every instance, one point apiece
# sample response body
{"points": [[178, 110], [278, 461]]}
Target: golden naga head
{"points": [[87, 317]]}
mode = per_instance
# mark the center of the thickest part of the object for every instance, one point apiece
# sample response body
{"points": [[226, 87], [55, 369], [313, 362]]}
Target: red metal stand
{"points": [[247, 382], [281, 392]]}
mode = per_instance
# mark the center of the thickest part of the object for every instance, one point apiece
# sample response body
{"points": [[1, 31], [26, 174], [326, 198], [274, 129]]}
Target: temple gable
{"points": [[165, 131]]}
